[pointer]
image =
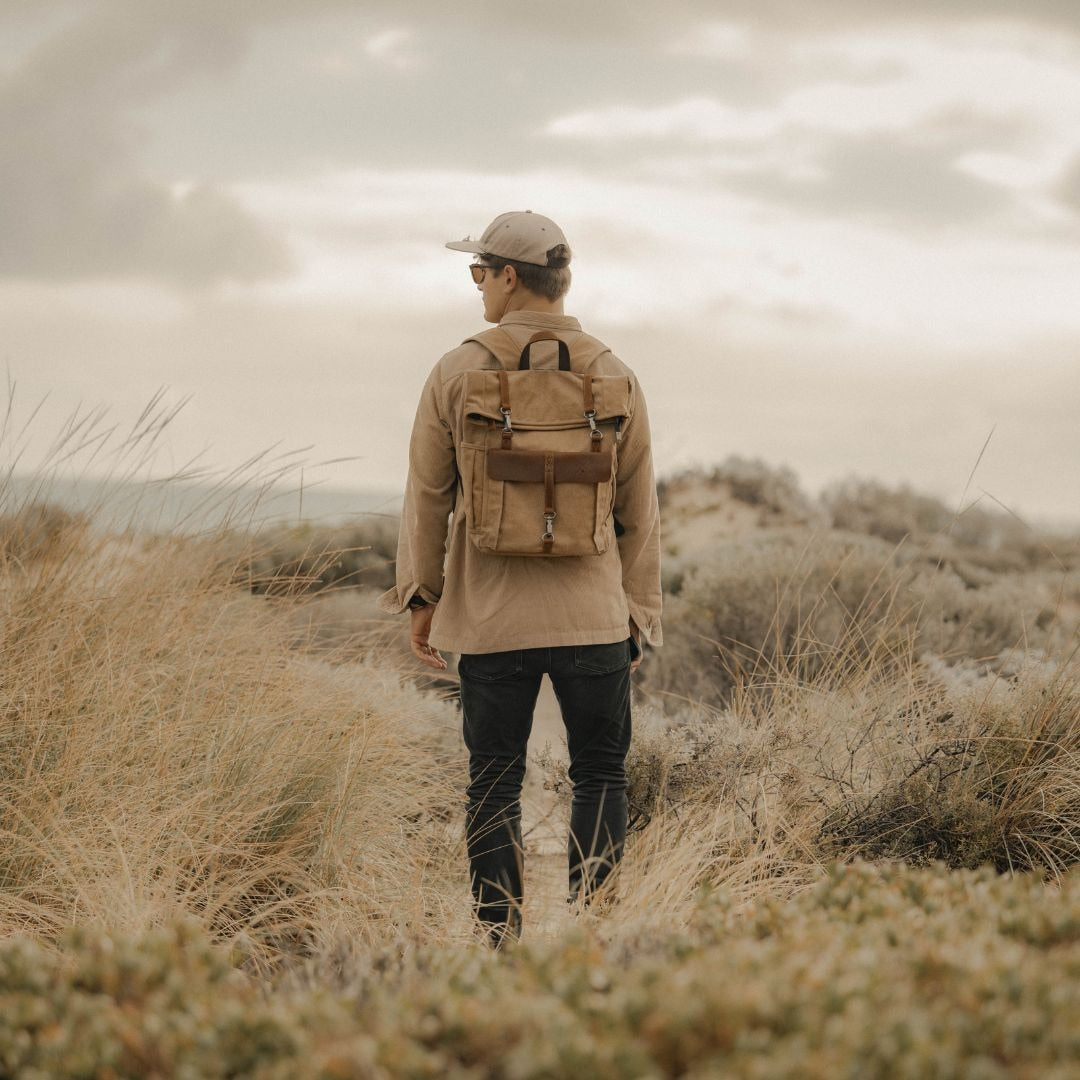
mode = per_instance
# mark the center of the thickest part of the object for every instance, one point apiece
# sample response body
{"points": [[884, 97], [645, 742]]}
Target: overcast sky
{"points": [[844, 242]]}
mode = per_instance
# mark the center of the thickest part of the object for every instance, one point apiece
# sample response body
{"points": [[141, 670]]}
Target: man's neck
{"points": [[532, 302]]}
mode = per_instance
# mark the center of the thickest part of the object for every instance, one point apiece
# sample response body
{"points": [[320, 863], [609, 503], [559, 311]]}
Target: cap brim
{"points": [[473, 246]]}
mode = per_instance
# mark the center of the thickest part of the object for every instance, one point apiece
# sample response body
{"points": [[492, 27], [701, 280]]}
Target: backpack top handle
{"points": [[545, 335]]}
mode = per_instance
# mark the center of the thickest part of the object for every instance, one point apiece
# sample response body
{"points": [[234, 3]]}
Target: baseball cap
{"points": [[522, 236]]}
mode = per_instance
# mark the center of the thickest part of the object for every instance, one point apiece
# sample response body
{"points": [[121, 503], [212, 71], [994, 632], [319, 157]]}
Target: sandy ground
{"points": [[545, 821]]}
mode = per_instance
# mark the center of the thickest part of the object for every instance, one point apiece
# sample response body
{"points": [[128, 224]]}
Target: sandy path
{"points": [[544, 821]]}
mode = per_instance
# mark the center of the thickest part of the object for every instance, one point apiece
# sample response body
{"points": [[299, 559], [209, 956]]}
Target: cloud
{"points": [[75, 203], [391, 47], [885, 179], [917, 126], [798, 17], [1068, 190]]}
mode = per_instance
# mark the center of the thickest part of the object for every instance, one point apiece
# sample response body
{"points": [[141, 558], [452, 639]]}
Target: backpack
{"points": [[537, 458]]}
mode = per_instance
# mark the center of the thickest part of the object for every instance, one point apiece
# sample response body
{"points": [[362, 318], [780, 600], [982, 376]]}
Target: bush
{"points": [[975, 537], [874, 972], [879, 762], [795, 602], [748, 480], [998, 783]]}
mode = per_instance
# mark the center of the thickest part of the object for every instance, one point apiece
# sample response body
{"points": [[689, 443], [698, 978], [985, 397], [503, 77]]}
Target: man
{"points": [[512, 618]]}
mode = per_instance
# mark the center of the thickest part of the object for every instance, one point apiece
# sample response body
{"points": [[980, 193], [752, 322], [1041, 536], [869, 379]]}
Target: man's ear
{"points": [[510, 276]]}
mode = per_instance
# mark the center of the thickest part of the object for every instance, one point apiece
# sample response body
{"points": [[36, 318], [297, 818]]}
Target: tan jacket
{"points": [[492, 603]]}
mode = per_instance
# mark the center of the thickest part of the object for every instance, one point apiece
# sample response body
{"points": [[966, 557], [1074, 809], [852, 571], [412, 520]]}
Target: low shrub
{"points": [[998, 784], [978, 535], [873, 972], [879, 763], [747, 480], [795, 601]]}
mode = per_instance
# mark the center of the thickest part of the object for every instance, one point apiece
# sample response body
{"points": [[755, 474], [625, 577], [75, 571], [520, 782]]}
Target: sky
{"points": [[840, 237]]}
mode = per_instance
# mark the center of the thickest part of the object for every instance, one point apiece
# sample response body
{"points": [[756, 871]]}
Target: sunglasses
{"points": [[477, 270]]}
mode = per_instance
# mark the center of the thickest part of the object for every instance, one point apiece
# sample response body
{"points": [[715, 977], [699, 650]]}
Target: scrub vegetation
{"points": [[231, 812]]}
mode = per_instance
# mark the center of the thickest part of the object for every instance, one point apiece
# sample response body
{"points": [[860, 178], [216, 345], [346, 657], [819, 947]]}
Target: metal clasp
{"points": [[549, 526], [506, 418], [595, 433]]}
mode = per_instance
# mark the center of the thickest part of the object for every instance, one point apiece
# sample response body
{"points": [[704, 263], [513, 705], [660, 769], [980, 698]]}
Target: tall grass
{"points": [[171, 747]]}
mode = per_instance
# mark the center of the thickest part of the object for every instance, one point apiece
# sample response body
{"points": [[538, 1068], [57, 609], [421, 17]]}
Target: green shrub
{"points": [[873, 972]]}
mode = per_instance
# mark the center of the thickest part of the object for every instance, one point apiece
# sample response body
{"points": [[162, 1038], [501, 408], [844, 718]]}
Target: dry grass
{"points": [[165, 749], [170, 747], [791, 602]]}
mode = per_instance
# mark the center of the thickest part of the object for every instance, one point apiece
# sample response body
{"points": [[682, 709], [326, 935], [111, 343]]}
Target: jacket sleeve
{"points": [[429, 500], [638, 515]]}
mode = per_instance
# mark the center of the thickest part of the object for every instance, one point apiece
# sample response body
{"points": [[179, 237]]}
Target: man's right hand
{"points": [[635, 633], [418, 638]]}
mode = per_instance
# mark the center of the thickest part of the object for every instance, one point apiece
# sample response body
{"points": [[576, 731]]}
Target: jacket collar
{"points": [[540, 319]]}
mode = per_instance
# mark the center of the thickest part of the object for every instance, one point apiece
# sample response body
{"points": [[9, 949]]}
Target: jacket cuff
{"points": [[647, 623], [396, 600]]}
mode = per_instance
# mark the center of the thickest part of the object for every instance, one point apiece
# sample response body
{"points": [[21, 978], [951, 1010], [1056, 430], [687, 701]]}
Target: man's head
{"points": [[523, 263]]}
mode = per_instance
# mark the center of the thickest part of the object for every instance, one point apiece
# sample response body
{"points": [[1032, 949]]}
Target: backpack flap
{"points": [[540, 399]]}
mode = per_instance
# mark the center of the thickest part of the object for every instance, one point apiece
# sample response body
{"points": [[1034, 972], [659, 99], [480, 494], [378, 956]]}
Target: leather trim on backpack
{"points": [[525, 466]]}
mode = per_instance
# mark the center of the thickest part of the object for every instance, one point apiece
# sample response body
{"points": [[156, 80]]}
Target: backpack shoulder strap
{"points": [[501, 345], [587, 351]]}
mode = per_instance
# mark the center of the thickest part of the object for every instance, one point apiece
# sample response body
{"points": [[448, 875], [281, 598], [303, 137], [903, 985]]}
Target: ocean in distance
{"points": [[194, 506]]}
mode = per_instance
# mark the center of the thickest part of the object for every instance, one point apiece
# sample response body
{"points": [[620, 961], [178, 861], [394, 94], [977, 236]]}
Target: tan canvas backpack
{"points": [[537, 458]]}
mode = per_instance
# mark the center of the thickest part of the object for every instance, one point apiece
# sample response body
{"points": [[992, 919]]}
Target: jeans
{"points": [[498, 694]]}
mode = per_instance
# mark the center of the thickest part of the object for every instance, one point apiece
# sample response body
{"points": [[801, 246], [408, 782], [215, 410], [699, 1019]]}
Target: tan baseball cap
{"points": [[522, 236]]}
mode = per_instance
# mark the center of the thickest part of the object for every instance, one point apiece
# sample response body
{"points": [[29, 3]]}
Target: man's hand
{"points": [[635, 633], [418, 637]]}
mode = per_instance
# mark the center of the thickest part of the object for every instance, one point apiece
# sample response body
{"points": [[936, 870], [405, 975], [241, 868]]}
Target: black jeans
{"points": [[498, 694]]}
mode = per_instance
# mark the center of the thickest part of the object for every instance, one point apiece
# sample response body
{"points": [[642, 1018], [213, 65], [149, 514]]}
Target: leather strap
{"points": [[545, 335], [586, 392], [529, 466], [504, 407], [549, 499]]}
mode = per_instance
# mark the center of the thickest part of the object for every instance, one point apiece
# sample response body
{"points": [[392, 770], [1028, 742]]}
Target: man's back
{"points": [[489, 602]]}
